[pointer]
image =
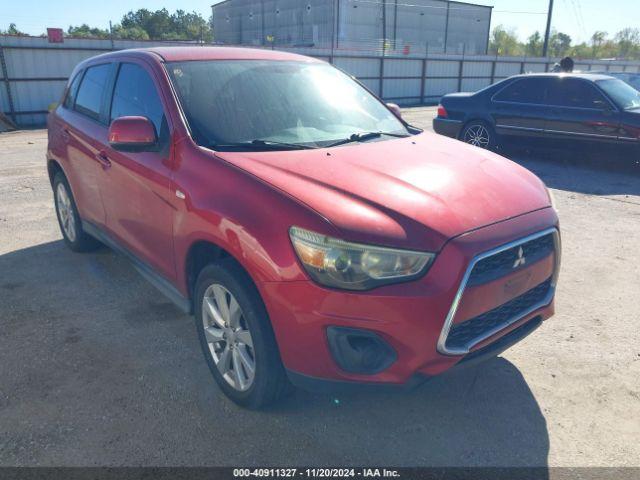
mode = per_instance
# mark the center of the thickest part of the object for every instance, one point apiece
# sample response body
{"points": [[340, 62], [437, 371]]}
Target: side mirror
{"points": [[132, 134], [395, 109]]}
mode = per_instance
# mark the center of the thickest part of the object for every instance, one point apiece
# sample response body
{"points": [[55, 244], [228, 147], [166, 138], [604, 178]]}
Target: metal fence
{"points": [[33, 72]]}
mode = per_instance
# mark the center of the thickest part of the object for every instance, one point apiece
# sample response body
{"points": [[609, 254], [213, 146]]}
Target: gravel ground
{"points": [[97, 368]]}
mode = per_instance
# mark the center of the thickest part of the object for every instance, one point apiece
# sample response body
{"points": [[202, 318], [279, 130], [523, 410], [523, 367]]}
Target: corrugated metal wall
{"points": [[289, 22], [421, 26], [37, 72]]}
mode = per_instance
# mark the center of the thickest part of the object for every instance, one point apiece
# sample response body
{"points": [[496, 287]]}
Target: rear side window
{"points": [[135, 94], [73, 91], [571, 92], [526, 90], [91, 91]]}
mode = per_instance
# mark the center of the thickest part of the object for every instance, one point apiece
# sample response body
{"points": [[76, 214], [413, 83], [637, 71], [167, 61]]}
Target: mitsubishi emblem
{"points": [[521, 260]]}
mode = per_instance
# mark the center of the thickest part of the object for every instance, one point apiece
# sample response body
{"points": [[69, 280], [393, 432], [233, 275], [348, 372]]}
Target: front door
{"points": [[580, 113], [137, 190]]}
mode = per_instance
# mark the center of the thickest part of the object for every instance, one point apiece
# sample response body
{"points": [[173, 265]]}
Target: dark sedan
{"points": [[570, 110]]}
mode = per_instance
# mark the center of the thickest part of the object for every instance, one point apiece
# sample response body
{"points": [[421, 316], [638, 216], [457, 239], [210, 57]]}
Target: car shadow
{"points": [[93, 354], [485, 415], [591, 173]]}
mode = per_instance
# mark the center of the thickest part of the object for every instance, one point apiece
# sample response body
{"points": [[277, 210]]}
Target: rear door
{"points": [[580, 113], [137, 188], [84, 131], [520, 108]]}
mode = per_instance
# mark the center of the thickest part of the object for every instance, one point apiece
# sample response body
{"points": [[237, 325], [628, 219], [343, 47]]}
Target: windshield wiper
{"points": [[261, 145], [364, 136]]}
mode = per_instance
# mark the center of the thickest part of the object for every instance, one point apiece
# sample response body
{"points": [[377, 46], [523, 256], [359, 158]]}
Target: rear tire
{"points": [[68, 219], [236, 336], [479, 134]]}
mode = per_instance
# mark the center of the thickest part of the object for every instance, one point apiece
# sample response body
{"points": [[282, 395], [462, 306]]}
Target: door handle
{"points": [[66, 134], [103, 159]]}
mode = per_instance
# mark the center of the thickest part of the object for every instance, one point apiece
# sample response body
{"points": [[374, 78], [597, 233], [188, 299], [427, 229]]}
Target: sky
{"points": [[578, 18]]}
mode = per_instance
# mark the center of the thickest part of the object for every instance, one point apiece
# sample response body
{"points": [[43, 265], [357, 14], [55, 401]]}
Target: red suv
{"points": [[318, 239]]}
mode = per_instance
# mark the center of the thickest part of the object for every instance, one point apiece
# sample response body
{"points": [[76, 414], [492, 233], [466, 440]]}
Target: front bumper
{"points": [[447, 127], [323, 385], [409, 317]]}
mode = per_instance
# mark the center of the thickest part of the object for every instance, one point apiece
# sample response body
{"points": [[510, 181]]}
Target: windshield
{"points": [[624, 96], [232, 102]]}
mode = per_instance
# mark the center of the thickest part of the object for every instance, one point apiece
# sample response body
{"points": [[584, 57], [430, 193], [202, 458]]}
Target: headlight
{"points": [[339, 264]]}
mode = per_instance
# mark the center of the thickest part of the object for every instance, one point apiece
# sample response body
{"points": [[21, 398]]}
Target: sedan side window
{"points": [[574, 93], [91, 91], [72, 92], [525, 90], [135, 94]]}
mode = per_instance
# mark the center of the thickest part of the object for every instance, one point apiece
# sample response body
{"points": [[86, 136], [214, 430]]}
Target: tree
{"points": [[504, 42], [582, 50], [160, 25], [597, 39], [559, 44], [85, 31], [12, 30], [144, 24], [132, 33], [534, 45], [157, 24], [628, 43]]}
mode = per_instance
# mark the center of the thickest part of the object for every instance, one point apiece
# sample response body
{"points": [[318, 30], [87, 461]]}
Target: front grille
{"points": [[503, 263], [464, 334]]}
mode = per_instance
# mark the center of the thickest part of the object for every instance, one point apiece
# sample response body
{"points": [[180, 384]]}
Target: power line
{"points": [[578, 14]]}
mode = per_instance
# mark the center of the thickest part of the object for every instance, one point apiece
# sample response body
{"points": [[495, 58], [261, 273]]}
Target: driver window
{"points": [[571, 92], [135, 94]]}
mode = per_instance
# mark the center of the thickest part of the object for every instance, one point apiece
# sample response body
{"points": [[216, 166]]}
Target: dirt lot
{"points": [[97, 368]]}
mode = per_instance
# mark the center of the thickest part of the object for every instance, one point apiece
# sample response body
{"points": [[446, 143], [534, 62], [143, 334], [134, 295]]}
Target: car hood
{"points": [[414, 193]]}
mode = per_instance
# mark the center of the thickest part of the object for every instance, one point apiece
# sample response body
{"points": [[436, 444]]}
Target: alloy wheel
{"points": [[228, 337], [65, 210], [477, 135]]}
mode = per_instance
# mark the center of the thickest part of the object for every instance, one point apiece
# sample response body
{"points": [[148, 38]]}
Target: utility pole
{"points": [[545, 49], [111, 35]]}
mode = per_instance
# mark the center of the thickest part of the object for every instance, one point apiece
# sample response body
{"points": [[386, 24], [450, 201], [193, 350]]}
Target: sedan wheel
{"points": [[228, 337], [477, 135]]}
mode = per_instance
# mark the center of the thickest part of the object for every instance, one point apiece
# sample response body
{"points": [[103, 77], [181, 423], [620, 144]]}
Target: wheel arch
{"points": [[201, 253], [53, 167]]}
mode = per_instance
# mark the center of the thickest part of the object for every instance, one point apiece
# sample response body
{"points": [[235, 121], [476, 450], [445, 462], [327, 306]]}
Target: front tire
{"points": [[69, 219], [479, 134], [236, 336]]}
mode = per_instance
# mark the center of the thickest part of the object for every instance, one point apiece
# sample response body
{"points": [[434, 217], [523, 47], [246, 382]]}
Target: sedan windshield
{"points": [[260, 105], [624, 96]]}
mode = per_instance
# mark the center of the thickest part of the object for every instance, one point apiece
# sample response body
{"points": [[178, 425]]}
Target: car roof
{"points": [[585, 76], [189, 53]]}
